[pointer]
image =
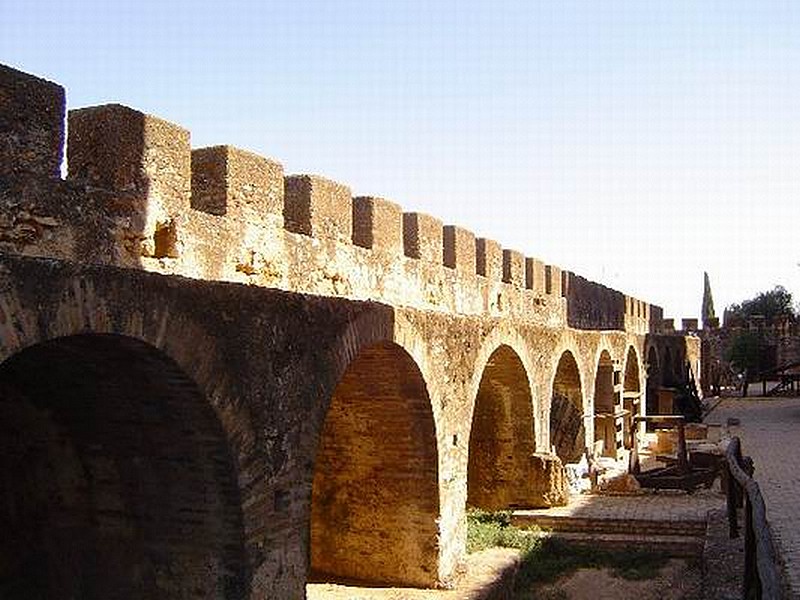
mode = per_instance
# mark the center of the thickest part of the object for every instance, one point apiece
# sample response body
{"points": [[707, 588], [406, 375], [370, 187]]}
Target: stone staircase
{"points": [[673, 535]]}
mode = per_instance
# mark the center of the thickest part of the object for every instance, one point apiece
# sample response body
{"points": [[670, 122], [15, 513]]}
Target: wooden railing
{"points": [[761, 574]]}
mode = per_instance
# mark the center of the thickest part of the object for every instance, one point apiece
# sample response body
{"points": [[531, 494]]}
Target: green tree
{"points": [[708, 301], [771, 305], [747, 353]]}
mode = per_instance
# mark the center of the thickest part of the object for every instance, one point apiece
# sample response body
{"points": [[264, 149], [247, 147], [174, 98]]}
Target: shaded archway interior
{"points": [[631, 394], [606, 406], [567, 430], [653, 381], [502, 439], [375, 497], [116, 478], [667, 370]]}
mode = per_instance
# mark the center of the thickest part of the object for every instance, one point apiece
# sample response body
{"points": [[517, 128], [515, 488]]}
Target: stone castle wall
{"points": [[368, 344], [138, 196]]}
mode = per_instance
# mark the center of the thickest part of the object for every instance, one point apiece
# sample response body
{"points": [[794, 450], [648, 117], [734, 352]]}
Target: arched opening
{"points": [[375, 497], [116, 479], [502, 440], [667, 369], [653, 381], [631, 394], [567, 431], [606, 408]]}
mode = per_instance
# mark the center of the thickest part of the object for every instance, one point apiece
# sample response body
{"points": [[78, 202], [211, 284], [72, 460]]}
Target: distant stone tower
{"points": [[707, 313]]}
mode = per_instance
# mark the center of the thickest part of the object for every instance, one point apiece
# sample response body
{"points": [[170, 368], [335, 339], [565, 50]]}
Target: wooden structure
{"points": [[761, 575]]}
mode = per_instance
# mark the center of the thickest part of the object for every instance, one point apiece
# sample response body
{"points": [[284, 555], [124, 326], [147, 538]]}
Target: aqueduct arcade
{"points": [[217, 381]]}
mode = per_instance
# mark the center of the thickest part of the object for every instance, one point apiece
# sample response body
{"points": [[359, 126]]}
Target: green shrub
{"points": [[544, 559]]}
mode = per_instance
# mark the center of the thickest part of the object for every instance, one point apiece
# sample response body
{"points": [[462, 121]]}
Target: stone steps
{"points": [[562, 523], [682, 538], [679, 546]]}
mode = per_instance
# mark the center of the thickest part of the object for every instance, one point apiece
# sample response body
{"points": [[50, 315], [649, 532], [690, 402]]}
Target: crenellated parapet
{"points": [[137, 195]]}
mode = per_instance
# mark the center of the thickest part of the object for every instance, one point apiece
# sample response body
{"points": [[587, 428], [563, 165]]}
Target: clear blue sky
{"points": [[637, 143]]}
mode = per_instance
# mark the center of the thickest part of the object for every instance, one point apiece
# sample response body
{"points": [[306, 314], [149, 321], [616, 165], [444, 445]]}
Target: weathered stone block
{"points": [[227, 180], [655, 314], [31, 125], [318, 207], [422, 237], [623, 484], [514, 267], [378, 224], [535, 275], [459, 249], [552, 280], [566, 282], [118, 148], [489, 259], [548, 482]]}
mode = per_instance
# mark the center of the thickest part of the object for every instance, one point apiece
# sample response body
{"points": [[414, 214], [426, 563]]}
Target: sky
{"points": [[637, 143]]}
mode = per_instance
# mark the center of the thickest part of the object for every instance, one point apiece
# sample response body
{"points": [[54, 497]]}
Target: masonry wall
{"points": [[149, 240], [93, 428], [137, 195], [375, 497], [268, 362]]}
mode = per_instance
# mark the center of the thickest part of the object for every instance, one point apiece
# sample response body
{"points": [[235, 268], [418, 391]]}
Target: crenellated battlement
{"points": [[138, 196]]}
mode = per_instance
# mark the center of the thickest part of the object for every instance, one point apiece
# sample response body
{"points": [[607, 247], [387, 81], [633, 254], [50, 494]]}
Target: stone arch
{"points": [[519, 346], [117, 476], [502, 436], [631, 381], [375, 495], [604, 400], [667, 368], [567, 430], [631, 392], [605, 404], [654, 378], [81, 304]]}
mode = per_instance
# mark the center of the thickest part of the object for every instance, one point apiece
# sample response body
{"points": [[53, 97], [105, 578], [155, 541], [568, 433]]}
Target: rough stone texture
{"points": [[31, 125], [689, 325], [228, 180], [502, 436], [552, 280], [514, 267], [655, 317], [262, 380], [567, 426], [146, 539], [378, 225], [119, 249], [375, 501], [146, 162], [548, 481], [459, 249], [318, 207], [489, 259], [535, 275], [118, 148], [422, 237], [591, 305]]}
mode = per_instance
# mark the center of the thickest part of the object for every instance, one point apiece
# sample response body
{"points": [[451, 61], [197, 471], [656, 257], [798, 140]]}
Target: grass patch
{"points": [[544, 559]]}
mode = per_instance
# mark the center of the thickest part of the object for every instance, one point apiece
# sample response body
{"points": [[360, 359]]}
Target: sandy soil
{"points": [[676, 581]]}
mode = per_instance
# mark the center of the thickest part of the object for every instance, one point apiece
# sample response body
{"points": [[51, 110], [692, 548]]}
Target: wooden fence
{"points": [[761, 573]]}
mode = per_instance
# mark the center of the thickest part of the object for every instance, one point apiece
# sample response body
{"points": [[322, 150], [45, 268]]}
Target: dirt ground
{"points": [[677, 580]]}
